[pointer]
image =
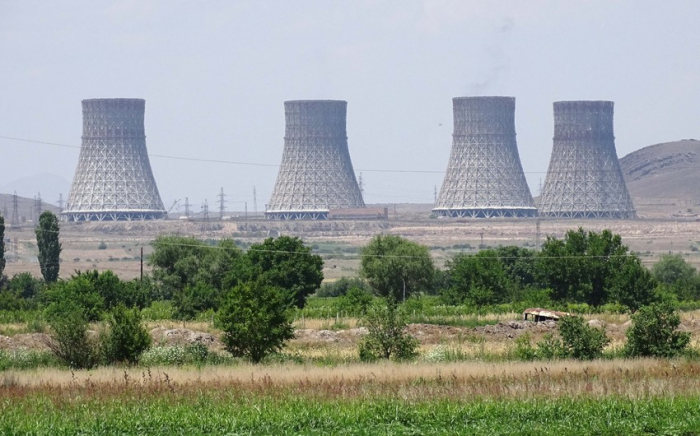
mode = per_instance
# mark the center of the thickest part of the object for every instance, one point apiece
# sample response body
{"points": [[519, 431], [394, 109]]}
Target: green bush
{"points": [[523, 347], [355, 302], [127, 338], [576, 340], [255, 320], [341, 287], [653, 332], [581, 341], [386, 338], [71, 342]]}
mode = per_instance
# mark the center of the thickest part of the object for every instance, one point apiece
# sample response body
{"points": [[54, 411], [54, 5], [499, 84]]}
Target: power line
{"points": [[230, 162]]}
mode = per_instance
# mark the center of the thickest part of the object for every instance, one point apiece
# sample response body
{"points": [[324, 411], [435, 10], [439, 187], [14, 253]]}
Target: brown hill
{"points": [[664, 171]]}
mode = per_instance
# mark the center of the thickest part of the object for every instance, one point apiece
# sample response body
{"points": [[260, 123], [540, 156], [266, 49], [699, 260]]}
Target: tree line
{"points": [[251, 293]]}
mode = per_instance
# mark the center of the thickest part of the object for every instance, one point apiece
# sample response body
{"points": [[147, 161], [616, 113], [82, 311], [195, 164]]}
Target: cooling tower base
{"points": [[297, 215], [486, 213], [114, 216], [624, 215]]}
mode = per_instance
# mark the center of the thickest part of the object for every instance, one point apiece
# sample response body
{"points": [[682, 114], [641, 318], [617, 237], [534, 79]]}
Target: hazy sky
{"points": [[215, 74]]}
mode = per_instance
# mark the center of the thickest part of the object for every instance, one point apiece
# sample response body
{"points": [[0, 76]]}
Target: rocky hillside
{"points": [[664, 171]]}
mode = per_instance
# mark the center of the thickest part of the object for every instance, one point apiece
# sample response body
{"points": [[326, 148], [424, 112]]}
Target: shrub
{"points": [[386, 338], [524, 349], [127, 338], [356, 301], [653, 332], [255, 320], [341, 287], [581, 341], [550, 347], [70, 341]]}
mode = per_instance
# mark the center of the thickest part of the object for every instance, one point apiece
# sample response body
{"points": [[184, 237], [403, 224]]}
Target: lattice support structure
{"points": [[316, 173], [484, 177], [113, 180], [584, 179]]}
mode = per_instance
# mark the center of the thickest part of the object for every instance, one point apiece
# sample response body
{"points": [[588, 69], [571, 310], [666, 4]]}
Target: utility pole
{"points": [[222, 204], [141, 264], [246, 210], [537, 237], [187, 207], [435, 194], [60, 202]]}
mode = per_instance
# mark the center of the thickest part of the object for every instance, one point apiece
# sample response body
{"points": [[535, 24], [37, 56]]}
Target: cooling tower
{"points": [[113, 181], [484, 177], [316, 173], [584, 179]]}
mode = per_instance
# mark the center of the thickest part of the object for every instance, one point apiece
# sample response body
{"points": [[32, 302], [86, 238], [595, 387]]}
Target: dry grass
{"points": [[627, 378]]}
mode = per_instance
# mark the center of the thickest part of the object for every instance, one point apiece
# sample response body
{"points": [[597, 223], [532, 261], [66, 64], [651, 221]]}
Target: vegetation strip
{"points": [[203, 414]]}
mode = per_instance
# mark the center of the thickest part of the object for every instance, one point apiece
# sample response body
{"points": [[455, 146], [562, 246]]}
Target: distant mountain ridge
{"points": [[667, 170]]}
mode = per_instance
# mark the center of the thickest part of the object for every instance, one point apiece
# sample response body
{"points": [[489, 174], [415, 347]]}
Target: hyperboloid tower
{"points": [[484, 177], [584, 179], [316, 173], [113, 181]]}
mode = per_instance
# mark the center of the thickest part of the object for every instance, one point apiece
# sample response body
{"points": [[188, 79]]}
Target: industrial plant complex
{"points": [[113, 180]]}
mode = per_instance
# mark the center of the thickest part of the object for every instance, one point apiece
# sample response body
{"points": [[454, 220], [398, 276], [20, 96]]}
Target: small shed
{"points": [[537, 314]]}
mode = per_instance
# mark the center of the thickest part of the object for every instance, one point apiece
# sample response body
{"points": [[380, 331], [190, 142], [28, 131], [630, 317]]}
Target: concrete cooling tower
{"points": [[484, 177], [584, 179], [113, 181], [316, 174]]}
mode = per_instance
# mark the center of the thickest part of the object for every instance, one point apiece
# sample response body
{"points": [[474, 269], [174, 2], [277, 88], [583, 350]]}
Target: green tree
{"points": [[127, 338], [78, 291], [255, 319], [582, 267], [677, 276], [519, 265], [49, 246], [478, 279], [653, 332], [396, 267], [631, 284], [386, 338], [284, 263], [2, 245], [194, 299], [179, 262], [26, 285]]}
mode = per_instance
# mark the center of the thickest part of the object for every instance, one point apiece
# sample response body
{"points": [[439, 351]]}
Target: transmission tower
{"points": [[361, 184], [38, 206], [205, 211], [4, 209], [584, 179], [222, 204], [60, 202], [15, 211], [187, 207], [484, 177], [113, 180], [316, 173]]}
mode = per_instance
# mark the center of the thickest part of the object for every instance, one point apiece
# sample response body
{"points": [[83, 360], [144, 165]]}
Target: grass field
{"points": [[563, 398]]}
